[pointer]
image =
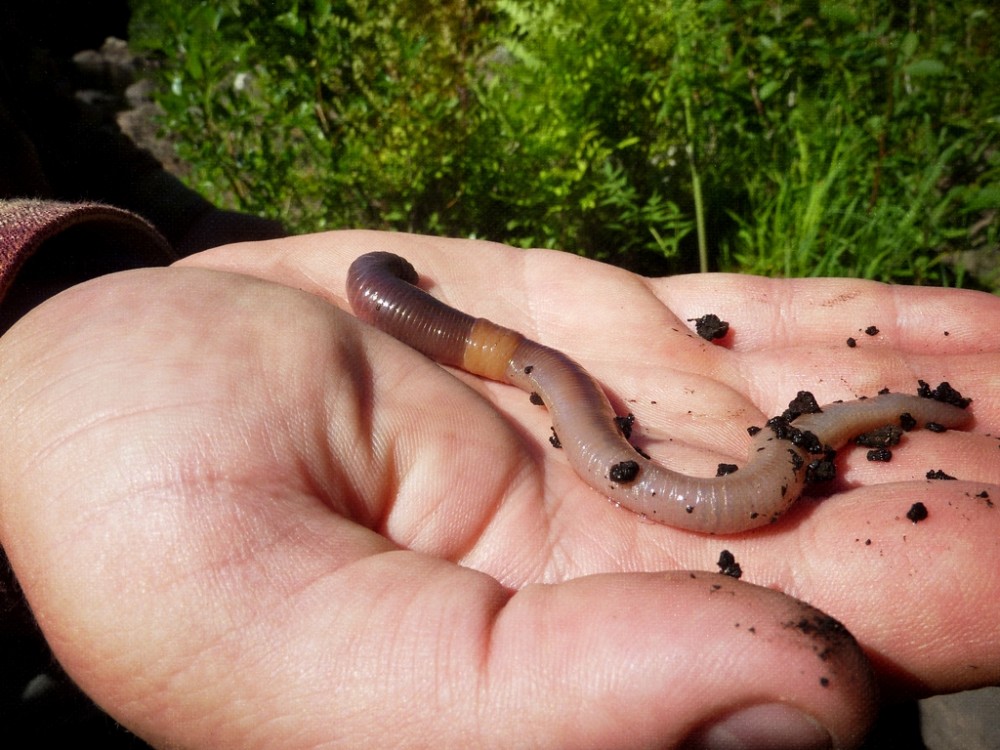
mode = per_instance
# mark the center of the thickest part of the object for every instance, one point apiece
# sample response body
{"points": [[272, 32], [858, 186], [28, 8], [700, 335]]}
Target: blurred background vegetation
{"points": [[854, 138]]}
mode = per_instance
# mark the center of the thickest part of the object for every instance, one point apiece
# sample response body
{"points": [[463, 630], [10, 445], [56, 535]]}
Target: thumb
{"points": [[683, 658], [403, 649]]}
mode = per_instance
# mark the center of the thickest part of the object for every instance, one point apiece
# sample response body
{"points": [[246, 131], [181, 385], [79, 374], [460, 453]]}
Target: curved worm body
{"points": [[382, 291]]}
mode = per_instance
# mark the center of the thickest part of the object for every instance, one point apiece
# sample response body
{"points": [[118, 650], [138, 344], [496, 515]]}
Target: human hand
{"points": [[244, 519]]}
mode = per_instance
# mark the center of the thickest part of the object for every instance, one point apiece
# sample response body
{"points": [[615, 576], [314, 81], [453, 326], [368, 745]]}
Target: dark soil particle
{"points": [[935, 427], [624, 471], [554, 439], [871, 331], [882, 455], [625, 424], [881, 437], [820, 625], [917, 512], [821, 470], [528, 369], [725, 469], [803, 403], [852, 342], [944, 393], [536, 399], [804, 439], [728, 565], [825, 628], [780, 427], [808, 442], [642, 453], [710, 327], [906, 421], [753, 430], [938, 474]]}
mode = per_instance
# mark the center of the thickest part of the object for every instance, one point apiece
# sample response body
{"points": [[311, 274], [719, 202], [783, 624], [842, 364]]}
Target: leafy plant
{"points": [[851, 138]]}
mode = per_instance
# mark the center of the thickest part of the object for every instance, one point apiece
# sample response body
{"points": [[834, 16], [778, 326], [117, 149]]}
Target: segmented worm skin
{"points": [[382, 291]]}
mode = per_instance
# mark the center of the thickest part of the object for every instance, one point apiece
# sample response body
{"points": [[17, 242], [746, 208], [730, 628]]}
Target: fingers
{"points": [[781, 313]]}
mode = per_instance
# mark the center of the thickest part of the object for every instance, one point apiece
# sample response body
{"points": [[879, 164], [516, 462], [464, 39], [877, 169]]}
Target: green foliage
{"points": [[857, 138], [318, 113], [589, 161], [874, 128]]}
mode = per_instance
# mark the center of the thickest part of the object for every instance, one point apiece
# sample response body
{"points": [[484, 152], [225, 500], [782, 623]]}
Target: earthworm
{"points": [[382, 291]]}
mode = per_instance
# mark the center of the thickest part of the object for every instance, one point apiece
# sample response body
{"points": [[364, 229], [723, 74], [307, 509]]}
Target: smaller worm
{"points": [[382, 291]]}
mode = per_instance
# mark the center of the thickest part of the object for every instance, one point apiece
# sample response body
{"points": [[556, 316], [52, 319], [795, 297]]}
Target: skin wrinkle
{"points": [[896, 330], [527, 460], [534, 305], [423, 469]]}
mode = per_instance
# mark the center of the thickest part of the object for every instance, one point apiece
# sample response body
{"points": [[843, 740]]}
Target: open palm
{"points": [[232, 503]]}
